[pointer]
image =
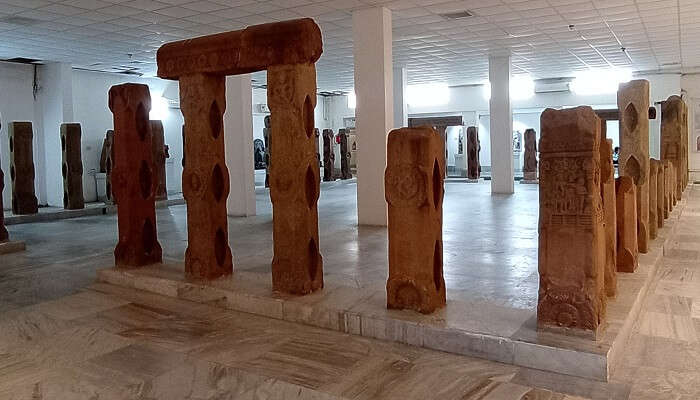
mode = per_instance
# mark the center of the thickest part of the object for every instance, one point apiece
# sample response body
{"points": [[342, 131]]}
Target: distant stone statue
{"points": [[328, 155], [530, 163], [266, 136], [259, 153], [24, 199], [345, 155], [473, 149]]}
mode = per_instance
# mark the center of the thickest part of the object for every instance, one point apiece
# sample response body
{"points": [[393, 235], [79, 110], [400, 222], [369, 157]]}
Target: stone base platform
{"points": [[529, 181], [12, 247], [469, 180], [47, 214], [483, 330]]}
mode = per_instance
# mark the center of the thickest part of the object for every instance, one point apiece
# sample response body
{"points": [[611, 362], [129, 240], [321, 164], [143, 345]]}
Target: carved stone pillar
{"points": [[667, 188], [328, 155], [572, 294], [414, 180], [22, 168], [159, 156], [205, 179], [653, 175], [266, 136], [673, 146], [607, 187], [72, 167], [674, 179], [633, 103], [530, 163], [107, 163], [660, 189], [344, 155], [297, 266], [627, 250], [4, 235], [132, 177], [473, 149]]}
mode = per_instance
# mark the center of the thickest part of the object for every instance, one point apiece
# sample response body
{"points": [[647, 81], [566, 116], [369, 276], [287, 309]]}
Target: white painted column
{"points": [[55, 104], [374, 115], [238, 131], [501, 125], [400, 106]]}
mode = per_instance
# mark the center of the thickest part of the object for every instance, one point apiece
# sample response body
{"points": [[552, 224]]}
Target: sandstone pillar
{"points": [[667, 188], [205, 179], [572, 294], [673, 146], [414, 190], [159, 155], [297, 266], [22, 168], [107, 162], [530, 163], [344, 155], [132, 176], [627, 250], [328, 155], [607, 187], [473, 149], [633, 103], [660, 188], [4, 235], [653, 176], [72, 167]]}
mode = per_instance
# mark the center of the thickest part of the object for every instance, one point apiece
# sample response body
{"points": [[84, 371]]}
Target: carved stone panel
{"points": [[660, 193], [133, 184], [674, 144], [633, 102], [572, 296], [72, 167], [159, 156], [22, 168], [328, 155], [473, 149], [607, 190], [107, 163], [530, 163], [344, 155], [205, 179], [627, 250], [653, 175], [414, 188], [297, 265]]}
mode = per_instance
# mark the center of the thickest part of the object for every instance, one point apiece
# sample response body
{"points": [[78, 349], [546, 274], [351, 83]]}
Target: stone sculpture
{"points": [[473, 149], [572, 296], [344, 155], [627, 250], [673, 146], [107, 163], [413, 181], [183, 145], [653, 174], [674, 180], [660, 188], [159, 156], [22, 168], [530, 163], [667, 188], [288, 51], [133, 182], [607, 190], [72, 167], [4, 235], [328, 155], [266, 137], [633, 101]]}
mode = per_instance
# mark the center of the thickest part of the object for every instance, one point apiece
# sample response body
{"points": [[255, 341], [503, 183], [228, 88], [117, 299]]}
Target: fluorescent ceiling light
{"points": [[600, 81], [433, 94]]}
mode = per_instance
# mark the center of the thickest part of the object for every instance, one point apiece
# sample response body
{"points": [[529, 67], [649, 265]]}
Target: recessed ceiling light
{"points": [[457, 15]]}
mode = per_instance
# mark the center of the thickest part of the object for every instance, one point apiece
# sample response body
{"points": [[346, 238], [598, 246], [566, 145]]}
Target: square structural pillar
{"points": [[133, 177], [572, 297], [238, 129], [633, 103], [22, 171], [374, 114], [400, 105], [414, 181], [501, 126], [72, 167]]}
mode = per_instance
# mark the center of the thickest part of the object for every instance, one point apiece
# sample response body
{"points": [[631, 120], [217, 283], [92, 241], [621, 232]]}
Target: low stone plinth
{"points": [[12, 247]]}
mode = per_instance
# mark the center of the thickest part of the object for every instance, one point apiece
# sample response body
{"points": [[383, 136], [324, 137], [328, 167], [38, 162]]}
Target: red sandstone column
{"points": [[627, 251], [572, 295], [159, 156], [607, 184], [673, 142], [22, 171], [132, 177], [72, 168], [414, 192], [660, 189], [205, 179], [4, 235], [653, 175], [297, 265]]}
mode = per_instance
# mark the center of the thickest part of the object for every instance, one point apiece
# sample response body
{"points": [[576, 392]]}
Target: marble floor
{"points": [[64, 337]]}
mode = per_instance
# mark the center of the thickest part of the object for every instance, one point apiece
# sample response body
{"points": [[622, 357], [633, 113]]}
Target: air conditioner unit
{"points": [[556, 85], [262, 108]]}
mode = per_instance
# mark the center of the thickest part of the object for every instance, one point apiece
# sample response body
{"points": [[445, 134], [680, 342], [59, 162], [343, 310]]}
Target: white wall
{"points": [[691, 87]]}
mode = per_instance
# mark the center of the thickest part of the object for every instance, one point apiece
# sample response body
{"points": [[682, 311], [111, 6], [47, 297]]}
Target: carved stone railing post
{"points": [[653, 176], [668, 184], [344, 155], [633, 103], [107, 163], [473, 149], [414, 191], [674, 147], [4, 235], [530, 161], [607, 187], [660, 189], [572, 296], [159, 156], [132, 177], [626, 208], [205, 179], [22, 168], [328, 155], [297, 266], [72, 167]]}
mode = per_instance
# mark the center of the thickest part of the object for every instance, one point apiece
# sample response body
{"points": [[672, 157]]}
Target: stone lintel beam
{"points": [[240, 52]]}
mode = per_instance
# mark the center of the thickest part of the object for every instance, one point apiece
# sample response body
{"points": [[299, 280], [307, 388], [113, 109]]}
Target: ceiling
{"points": [[547, 38]]}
